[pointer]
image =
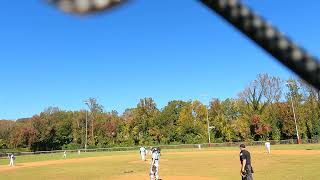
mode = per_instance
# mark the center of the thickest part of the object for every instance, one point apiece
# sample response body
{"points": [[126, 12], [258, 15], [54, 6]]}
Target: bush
{"points": [[276, 134], [175, 143], [3, 144], [218, 140], [71, 146]]}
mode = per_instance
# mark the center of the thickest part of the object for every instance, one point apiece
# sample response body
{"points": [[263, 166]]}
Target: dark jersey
{"points": [[244, 154]]}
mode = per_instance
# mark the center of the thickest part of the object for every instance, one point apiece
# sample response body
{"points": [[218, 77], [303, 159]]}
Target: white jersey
{"points": [[155, 158], [267, 144], [11, 158], [142, 150], [154, 170]]}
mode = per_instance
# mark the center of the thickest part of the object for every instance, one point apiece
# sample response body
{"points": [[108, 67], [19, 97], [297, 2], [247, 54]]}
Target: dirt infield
{"points": [[145, 162], [163, 178]]}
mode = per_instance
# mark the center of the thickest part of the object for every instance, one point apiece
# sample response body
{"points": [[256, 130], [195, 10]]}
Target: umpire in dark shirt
{"points": [[245, 162]]}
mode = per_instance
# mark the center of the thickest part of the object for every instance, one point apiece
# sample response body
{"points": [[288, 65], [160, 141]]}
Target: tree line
{"points": [[263, 110]]}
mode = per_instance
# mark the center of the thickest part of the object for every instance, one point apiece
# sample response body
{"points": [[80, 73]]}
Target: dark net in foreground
{"points": [[269, 38]]}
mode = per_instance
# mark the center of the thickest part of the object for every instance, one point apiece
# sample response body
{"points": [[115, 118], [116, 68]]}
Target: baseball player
{"points": [[65, 154], [245, 163], [267, 145], [155, 164], [143, 153], [11, 159]]}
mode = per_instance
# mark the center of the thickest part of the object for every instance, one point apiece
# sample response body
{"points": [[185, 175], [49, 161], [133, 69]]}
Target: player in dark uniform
{"points": [[245, 162]]}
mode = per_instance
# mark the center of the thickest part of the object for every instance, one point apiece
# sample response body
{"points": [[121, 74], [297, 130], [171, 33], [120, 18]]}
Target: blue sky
{"points": [[165, 50]]}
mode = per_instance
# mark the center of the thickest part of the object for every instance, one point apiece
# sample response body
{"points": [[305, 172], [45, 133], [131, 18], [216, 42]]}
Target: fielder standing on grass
{"points": [[267, 145], [245, 164], [11, 159], [143, 153]]}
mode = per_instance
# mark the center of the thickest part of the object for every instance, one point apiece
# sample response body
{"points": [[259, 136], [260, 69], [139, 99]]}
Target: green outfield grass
{"points": [[59, 156], [286, 162]]}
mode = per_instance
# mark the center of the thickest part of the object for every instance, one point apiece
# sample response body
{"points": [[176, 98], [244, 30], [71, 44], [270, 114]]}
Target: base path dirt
{"points": [[164, 178], [146, 162]]}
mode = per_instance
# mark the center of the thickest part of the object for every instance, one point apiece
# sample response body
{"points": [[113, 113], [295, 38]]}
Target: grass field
{"points": [[285, 162]]}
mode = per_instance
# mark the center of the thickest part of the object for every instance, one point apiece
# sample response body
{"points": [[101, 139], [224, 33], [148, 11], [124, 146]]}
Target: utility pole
{"points": [[92, 129], [208, 123], [85, 146], [295, 120], [209, 137], [294, 115]]}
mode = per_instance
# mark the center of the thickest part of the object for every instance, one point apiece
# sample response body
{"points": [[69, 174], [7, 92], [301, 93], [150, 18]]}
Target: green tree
{"points": [[143, 119], [189, 130], [168, 122]]}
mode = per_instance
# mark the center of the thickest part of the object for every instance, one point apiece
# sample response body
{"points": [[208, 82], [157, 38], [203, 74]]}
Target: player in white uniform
{"points": [[11, 158], [267, 145], [155, 164], [65, 154], [143, 153]]}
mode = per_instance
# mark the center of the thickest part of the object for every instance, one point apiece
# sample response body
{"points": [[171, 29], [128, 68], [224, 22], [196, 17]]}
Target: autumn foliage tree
{"points": [[263, 110]]}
